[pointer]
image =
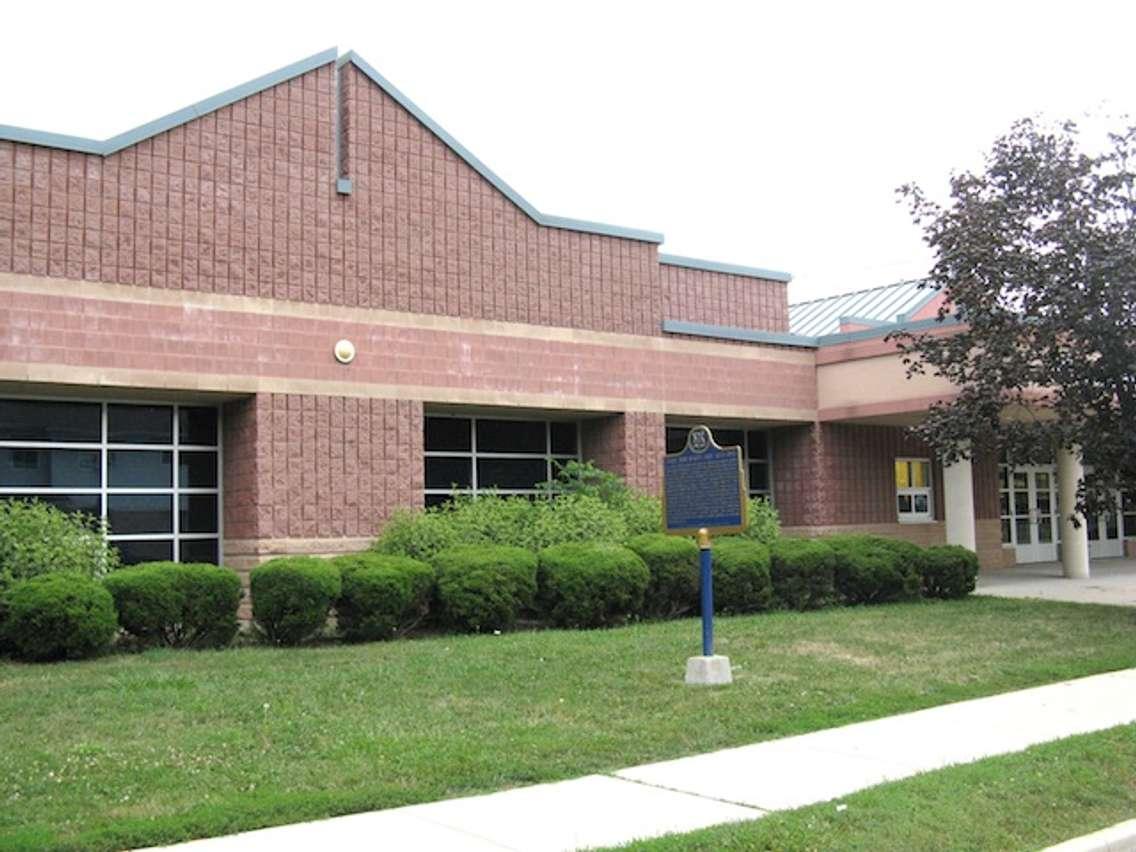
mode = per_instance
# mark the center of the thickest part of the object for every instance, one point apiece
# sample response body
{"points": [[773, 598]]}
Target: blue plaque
{"points": [[704, 487]]}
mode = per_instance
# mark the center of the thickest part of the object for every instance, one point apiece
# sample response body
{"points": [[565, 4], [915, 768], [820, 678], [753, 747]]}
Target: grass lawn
{"points": [[1026, 801], [138, 749]]}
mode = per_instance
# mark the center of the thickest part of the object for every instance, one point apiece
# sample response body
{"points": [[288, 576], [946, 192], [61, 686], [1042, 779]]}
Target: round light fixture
{"points": [[344, 351]]}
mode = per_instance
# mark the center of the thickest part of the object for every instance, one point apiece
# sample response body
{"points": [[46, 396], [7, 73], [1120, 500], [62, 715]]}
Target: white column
{"points": [[958, 495], [1074, 539]]}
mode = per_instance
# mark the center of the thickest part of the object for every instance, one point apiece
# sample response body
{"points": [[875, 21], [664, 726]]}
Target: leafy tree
{"points": [[1036, 254]]}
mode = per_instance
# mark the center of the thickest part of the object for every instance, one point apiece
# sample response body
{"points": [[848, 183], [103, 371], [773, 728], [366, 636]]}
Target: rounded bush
{"points": [[949, 571], [673, 563], [58, 616], [801, 570], [591, 584], [182, 605], [381, 596], [37, 538], [291, 597], [871, 570], [484, 587], [740, 569]]}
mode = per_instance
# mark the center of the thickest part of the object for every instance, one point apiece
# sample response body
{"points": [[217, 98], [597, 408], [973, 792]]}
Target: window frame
{"points": [[104, 490], [474, 455], [928, 490]]}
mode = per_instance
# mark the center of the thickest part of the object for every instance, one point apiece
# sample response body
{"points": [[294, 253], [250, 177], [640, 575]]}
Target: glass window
{"points": [[140, 468], [913, 490], [510, 474], [449, 433], [133, 514], [133, 552], [469, 454], [22, 467], [511, 436], [197, 469], [56, 451], [140, 424], [447, 472], [197, 425], [1128, 507]]}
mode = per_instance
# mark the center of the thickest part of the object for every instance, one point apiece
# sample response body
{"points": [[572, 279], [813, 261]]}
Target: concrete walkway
{"points": [[1112, 581], [721, 787]]}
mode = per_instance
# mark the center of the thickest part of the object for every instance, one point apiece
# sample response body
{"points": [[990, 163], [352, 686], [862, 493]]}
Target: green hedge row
{"points": [[471, 588]]}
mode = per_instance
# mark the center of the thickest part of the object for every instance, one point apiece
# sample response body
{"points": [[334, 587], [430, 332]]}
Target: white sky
{"points": [[764, 134]]}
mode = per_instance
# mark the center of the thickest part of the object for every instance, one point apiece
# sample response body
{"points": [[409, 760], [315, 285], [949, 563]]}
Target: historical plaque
{"points": [[704, 487]]}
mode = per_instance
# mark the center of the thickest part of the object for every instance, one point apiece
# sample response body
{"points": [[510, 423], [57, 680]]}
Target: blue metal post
{"points": [[707, 594]]}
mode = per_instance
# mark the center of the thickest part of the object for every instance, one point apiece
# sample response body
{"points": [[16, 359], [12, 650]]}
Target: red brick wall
{"points": [[985, 473], [242, 201], [301, 466], [836, 474], [630, 444], [696, 295]]}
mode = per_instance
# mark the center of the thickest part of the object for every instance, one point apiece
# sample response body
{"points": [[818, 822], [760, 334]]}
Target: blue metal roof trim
{"points": [[487, 173], [174, 119], [785, 338], [727, 268], [868, 334], [749, 335]]}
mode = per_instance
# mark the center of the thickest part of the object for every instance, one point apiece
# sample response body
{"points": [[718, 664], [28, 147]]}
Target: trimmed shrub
{"points": [[182, 605], [36, 538], [949, 571], [381, 596], [762, 523], [57, 616], [591, 584], [673, 563], [741, 576], [291, 597], [871, 570], [484, 587], [801, 570]]}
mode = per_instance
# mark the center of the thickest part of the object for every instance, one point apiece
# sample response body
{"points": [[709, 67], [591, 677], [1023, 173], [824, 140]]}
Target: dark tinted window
{"points": [[140, 468], [197, 469], [197, 513], [31, 468], [758, 477], [447, 434], [758, 445], [198, 550], [197, 425], [31, 420], [131, 514], [676, 438], [140, 424], [133, 552], [448, 472], [563, 438], [729, 437], [510, 473], [510, 436]]}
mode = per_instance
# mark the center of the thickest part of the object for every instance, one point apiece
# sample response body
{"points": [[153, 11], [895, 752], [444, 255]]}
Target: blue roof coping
{"points": [[786, 338], [727, 268]]}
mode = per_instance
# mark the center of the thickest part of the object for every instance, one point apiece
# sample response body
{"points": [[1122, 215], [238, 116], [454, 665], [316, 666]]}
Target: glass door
{"points": [[1104, 535], [1029, 513]]}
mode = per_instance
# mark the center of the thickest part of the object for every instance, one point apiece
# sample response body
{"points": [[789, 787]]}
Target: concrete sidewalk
{"points": [[720, 787], [1113, 581]]}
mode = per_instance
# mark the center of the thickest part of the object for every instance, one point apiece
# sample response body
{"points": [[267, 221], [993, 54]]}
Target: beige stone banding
{"points": [[236, 386], [137, 294]]}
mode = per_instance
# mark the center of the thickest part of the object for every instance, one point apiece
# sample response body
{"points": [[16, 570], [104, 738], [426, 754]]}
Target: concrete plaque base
{"points": [[708, 671]]}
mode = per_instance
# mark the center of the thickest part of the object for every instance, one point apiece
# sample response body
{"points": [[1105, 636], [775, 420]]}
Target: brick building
{"points": [[171, 300]]}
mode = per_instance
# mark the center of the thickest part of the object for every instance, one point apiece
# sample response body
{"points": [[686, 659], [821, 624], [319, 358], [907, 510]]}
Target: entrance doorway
{"points": [[1031, 517]]}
